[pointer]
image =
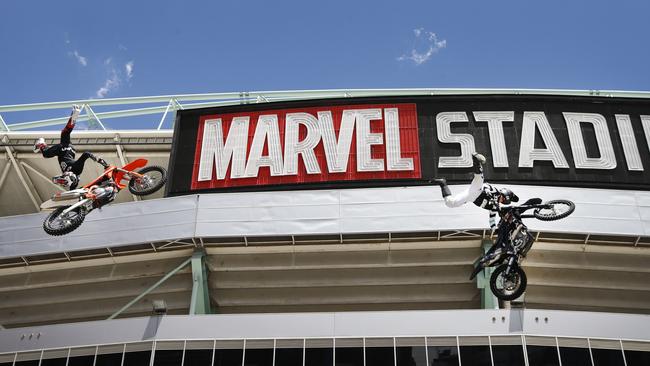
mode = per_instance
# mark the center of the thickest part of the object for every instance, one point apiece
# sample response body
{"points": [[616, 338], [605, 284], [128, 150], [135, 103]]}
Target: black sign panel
{"points": [[608, 148]]}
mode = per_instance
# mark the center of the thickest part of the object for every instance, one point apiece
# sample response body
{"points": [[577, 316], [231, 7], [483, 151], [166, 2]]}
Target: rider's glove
{"points": [[75, 112]]}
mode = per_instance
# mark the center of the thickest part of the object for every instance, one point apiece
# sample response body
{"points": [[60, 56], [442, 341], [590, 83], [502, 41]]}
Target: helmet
{"points": [[39, 145], [508, 195], [68, 180]]}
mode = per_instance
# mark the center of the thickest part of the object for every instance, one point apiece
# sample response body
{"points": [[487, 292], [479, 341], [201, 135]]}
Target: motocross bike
{"points": [[71, 207], [508, 281]]}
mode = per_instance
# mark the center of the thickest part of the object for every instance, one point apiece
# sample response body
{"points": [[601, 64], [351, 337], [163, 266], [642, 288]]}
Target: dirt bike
{"points": [[508, 281], [71, 207]]}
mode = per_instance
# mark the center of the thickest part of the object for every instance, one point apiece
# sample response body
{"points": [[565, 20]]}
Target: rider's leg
{"points": [[469, 194], [50, 151], [78, 166]]}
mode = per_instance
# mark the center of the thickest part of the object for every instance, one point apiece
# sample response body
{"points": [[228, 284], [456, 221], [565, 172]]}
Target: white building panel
{"points": [[367, 210]]}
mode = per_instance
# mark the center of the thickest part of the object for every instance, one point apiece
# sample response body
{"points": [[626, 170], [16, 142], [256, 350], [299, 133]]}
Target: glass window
{"points": [[82, 356], [542, 351], [574, 351], [198, 353], [55, 357], [27, 363], [442, 351], [607, 357], [258, 353], [607, 352], [634, 358], [137, 354], [475, 351], [508, 351], [228, 353], [54, 362], [637, 353], [168, 353], [348, 352], [319, 352], [110, 355], [380, 352], [28, 358], [288, 352], [7, 359], [410, 352]]}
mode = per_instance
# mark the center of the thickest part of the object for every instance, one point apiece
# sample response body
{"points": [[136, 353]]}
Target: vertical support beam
{"points": [[488, 300], [200, 303], [151, 288], [5, 172], [173, 105], [93, 117], [120, 155], [3, 125], [162, 120], [24, 179]]}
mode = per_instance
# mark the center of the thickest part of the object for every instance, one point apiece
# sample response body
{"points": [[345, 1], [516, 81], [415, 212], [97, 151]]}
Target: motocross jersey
{"points": [[489, 200], [63, 150]]}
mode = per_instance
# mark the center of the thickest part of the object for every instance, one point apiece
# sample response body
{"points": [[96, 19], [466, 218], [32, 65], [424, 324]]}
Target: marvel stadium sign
{"points": [[388, 141]]}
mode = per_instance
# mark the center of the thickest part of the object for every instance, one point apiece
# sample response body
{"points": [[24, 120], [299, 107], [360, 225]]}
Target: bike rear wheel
{"points": [[508, 287], [153, 178], [59, 223], [559, 209]]}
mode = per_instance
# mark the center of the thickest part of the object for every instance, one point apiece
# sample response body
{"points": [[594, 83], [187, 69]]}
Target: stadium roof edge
{"points": [[172, 103], [325, 93]]}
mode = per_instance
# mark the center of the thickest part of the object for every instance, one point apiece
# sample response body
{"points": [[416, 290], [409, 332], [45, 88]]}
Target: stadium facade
{"points": [[297, 229]]}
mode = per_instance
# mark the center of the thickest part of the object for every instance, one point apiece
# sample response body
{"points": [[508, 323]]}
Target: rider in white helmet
{"points": [[65, 153], [483, 195]]}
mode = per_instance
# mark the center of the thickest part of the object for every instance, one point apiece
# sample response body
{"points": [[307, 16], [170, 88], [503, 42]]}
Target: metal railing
{"points": [[165, 104]]}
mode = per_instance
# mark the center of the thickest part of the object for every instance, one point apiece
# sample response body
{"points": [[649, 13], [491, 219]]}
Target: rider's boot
{"points": [[103, 163], [99, 160], [442, 182], [478, 161]]}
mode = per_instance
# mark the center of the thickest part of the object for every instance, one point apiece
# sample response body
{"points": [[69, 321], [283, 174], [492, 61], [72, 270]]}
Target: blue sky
{"points": [[55, 51]]}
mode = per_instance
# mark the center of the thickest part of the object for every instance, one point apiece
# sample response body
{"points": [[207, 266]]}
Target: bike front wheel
{"points": [[60, 223], [557, 209], [509, 286], [153, 178]]}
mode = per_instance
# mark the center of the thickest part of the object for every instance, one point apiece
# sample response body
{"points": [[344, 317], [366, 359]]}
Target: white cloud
{"points": [[80, 59], [424, 47], [109, 85], [129, 70], [108, 61]]}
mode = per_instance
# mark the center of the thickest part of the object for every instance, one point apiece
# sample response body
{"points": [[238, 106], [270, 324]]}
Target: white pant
{"points": [[468, 195]]}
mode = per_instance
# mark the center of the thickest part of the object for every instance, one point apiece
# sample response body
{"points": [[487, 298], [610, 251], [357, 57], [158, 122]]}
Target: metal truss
{"points": [[165, 104]]}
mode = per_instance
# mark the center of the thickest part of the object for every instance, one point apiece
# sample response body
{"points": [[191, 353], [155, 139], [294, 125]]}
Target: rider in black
{"points": [[65, 153]]}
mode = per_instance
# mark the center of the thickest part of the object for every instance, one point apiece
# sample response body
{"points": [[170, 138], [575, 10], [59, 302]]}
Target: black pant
{"points": [[77, 166]]}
